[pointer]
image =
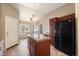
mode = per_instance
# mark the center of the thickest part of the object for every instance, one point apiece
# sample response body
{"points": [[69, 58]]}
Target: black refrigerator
{"points": [[65, 36]]}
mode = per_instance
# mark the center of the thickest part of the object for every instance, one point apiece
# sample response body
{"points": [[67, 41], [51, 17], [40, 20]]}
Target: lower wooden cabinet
{"points": [[39, 48]]}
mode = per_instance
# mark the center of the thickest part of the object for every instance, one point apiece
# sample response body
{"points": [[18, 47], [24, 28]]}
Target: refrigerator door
{"points": [[58, 40], [68, 37]]}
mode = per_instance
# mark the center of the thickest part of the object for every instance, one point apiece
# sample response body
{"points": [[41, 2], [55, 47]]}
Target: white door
{"points": [[11, 31]]}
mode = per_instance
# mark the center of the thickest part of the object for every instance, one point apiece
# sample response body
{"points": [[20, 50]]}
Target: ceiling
{"points": [[38, 10]]}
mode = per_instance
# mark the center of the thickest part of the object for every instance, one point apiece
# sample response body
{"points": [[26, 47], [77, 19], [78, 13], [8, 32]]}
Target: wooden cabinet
{"points": [[52, 24], [62, 32], [39, 47], [43, 48], [52, 29]]}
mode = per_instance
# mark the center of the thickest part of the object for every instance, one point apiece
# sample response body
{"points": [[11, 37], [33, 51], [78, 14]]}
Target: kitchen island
{"points": [[39, 45]]}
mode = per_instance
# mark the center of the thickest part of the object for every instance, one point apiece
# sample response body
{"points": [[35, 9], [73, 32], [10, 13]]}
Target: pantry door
{"points": [[11, 31]]}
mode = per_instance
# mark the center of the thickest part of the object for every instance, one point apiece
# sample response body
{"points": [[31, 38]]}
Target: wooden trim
{"points": [[67, 17]]}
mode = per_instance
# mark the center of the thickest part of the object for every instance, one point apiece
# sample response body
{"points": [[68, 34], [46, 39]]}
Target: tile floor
{"points": [[21, 50]]}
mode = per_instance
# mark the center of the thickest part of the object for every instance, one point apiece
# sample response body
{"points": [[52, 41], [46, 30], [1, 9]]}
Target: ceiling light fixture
{"points": [[33, 19]]}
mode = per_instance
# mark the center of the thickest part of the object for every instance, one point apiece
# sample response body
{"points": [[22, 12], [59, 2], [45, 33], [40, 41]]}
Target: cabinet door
{"points": [[32, 48], [43, 48], [52, 29]]}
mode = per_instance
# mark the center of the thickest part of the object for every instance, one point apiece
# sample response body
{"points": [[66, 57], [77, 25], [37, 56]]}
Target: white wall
{"points": [[64, 10], [0, 22], [8, 10], [77, 23]]}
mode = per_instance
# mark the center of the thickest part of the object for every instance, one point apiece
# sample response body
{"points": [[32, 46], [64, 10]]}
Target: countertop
{"points": [[39, 38]]}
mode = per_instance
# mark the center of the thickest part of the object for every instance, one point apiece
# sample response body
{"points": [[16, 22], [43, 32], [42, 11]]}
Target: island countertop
{"points": [[39, 38]]}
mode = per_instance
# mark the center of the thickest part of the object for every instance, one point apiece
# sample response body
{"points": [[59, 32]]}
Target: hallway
{"points": [[21, 50]]}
